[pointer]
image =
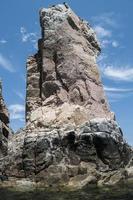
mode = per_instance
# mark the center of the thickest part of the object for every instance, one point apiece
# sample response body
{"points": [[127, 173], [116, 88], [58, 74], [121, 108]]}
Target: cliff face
{"points": [[4, 128], [71, 137], [63, 77]]}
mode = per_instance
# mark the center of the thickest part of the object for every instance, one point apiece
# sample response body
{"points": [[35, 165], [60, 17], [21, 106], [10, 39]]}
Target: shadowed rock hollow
{"points": [[71, 137]]}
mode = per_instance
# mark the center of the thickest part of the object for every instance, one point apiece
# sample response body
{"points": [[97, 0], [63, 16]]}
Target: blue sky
{"points": [[112, 20]]}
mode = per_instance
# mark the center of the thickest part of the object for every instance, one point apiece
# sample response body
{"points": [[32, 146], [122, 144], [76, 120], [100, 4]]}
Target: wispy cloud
{"points": [[118, 73], [117, 94], [29, 36], [115, 97], [6, 63], [105, 36], [17, 112], [102, 32], [107, 19], [3, 41], [115, 44], [114, 89], [104, 26], [105, 43], [20, 95]]}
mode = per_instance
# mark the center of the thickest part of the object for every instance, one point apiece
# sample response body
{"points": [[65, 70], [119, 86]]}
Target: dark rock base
{"points": [[94, 153]]}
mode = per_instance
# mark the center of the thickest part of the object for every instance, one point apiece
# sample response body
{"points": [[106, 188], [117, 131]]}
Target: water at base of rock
{"points": [[121, 192]]}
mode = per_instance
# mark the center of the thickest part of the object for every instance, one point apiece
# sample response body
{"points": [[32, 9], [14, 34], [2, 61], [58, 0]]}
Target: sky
{"points": [[112, 21]]}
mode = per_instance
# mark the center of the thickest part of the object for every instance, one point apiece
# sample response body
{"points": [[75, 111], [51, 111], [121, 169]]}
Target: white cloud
{"points": [[29, 36], [6, 63], [115, 44], [17, 107], [105, 43], [104, 26], [2, 41], [120, 74], [17, 111], [117, 94], [102, 32], [114, 89], [105, 37]]}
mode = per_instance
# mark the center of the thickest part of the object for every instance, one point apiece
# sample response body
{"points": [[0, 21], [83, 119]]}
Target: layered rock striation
{"points": [[71, 137]]}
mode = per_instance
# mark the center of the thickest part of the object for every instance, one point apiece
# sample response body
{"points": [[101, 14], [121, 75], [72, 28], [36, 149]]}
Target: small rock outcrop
{"points": [[4, 125], [71, 137]]}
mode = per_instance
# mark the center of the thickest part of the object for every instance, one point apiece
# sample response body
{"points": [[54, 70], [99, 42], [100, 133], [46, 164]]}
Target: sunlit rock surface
{"points": [[63, 80]]}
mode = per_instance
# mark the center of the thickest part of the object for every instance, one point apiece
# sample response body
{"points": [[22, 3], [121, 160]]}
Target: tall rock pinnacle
{"points": [[63, 81], [71, 138]]}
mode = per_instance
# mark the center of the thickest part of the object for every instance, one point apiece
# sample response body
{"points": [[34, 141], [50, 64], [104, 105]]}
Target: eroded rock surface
{"points": [[73, 156]]}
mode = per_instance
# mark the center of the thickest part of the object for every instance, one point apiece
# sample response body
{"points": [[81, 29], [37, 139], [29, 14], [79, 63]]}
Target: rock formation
{"points": [[4, 125], [62, 78], [71, 137]]}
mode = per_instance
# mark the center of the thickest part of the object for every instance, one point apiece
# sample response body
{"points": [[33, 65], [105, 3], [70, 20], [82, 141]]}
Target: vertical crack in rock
{"points": [[40, 71], [58, 75]]}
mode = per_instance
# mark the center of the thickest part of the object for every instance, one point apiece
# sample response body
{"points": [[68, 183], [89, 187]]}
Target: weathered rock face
{"points": [[63, 80], [71, 138], [74, 156], [4, 125]]}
